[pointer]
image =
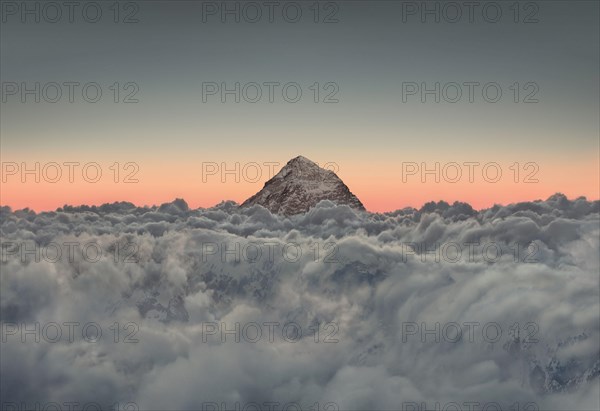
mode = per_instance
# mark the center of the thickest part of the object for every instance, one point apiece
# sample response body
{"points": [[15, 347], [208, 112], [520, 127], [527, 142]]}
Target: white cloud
{"points": [[369, 296]]}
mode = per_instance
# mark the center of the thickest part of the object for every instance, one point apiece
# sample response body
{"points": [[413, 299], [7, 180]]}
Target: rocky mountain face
{"points": [[300, 185]]}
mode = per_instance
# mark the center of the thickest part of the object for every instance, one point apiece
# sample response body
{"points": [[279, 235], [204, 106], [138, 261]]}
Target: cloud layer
{"points": [[439, 305]]}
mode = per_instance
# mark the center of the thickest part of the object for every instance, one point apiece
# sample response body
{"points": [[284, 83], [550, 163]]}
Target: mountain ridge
{"points": [[299, 186]]}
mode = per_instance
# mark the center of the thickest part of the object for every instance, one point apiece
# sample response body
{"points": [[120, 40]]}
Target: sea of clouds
{"points": [[203, 309]]}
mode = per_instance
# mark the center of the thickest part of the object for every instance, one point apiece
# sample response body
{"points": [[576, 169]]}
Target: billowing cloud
{"points": [[343, 309]]}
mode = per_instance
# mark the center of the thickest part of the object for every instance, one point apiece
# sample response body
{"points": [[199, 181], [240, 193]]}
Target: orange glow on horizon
{"points": [[380, 187]]}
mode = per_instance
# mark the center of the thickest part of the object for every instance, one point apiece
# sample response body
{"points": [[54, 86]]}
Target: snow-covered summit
{"points": [[300, 185]]}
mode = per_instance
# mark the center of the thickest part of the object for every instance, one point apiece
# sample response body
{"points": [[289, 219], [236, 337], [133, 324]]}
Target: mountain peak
{"points": [[302, 168], [300, 185], [302, 159]]}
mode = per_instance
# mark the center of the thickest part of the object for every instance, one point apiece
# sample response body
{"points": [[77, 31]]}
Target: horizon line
{"points": [[559, 194]]}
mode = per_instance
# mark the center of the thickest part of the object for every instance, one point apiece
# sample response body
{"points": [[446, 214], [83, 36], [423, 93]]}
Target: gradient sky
{"points": [[369, 133]]}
